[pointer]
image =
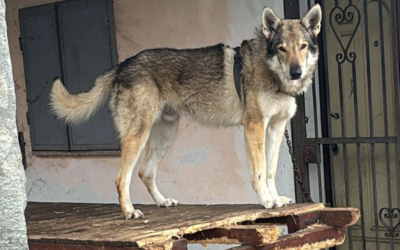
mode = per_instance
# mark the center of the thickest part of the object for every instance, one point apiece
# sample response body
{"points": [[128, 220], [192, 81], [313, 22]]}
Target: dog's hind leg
{"points": [[273, 141], [132, 143], [161, 137]]}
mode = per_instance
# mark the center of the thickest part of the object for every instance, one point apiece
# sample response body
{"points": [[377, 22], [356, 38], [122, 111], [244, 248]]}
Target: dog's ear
{"points": [[270, 21], [312, 20]]}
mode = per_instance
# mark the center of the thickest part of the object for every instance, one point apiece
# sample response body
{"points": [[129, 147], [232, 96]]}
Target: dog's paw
{"points": [[268, 204], [282, 201], [135, 214], [169, 202]]}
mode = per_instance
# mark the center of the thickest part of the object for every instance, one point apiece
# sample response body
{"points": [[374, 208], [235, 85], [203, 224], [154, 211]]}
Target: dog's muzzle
{"points": [[295, 72]]}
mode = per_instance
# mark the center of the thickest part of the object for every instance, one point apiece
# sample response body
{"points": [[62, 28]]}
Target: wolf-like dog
{"points": [[153, 89]]}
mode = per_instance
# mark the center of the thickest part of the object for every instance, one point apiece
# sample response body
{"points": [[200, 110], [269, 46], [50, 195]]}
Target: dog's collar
{"points": [[237, 69]]}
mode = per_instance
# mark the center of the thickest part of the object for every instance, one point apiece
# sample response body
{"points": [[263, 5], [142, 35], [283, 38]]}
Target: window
{"points": [[73, 40]]}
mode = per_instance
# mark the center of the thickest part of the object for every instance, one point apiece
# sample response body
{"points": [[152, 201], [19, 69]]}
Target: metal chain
{"points": [[296, 169]]}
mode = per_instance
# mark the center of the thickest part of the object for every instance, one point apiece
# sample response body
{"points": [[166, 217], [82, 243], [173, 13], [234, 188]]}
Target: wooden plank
{"points": [[339, 217], [44, 246], [180, 244], [254, 235], [335, 217], [105, 225], [301, 221], [319, 237]]}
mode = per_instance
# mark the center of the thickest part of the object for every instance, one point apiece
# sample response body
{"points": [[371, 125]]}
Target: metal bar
{"points": [[326, 125], [342, 116], [396, 69], [291, 9], [345, 160], [389, 188], [331, 178], [316, 130], [309, 4], [350, 140], [343, 127], [356, 124], [314, 96], [383, 67], [355, 94], [346, 188], [375, 196], [371, 124], [298, 127], [319, 179], [315, 111], [360, 188]]}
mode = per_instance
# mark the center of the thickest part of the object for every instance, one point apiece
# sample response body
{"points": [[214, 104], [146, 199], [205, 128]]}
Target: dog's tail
{"points": [[75, 109]]}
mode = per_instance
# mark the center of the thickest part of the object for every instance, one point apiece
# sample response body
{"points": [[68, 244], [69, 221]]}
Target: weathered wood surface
{"points": [[105, 225], [180, 244], [335, 217], [311, 238], [252, 235]]}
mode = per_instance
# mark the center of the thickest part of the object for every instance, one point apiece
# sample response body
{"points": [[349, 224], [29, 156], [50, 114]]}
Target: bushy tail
{"points": [[75, 109]]}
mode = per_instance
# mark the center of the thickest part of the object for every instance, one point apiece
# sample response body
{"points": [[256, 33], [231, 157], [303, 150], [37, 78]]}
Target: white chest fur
{"points": [[277, 105]]}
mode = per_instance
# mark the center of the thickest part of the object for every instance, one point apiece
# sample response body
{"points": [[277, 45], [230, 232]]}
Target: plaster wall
{"points": [[204, 165]]}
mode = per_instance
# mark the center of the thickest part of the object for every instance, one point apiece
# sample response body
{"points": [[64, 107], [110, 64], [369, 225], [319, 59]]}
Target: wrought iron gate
{"points": [[347, 126]]}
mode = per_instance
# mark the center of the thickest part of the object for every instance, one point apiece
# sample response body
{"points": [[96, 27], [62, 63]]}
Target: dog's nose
{"points": [[295, 72]]}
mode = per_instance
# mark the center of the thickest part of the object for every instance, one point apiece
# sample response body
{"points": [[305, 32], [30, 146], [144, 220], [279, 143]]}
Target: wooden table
{"points": [[70, 226]]}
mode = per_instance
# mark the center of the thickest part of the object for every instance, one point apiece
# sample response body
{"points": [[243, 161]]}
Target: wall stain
{"points": [[198, 157]]}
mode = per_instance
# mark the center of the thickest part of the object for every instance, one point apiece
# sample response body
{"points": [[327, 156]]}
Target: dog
{"points": [[153, 89]]}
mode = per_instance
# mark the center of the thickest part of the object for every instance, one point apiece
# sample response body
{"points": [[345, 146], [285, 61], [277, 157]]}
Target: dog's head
{"points": [[292, 44]]}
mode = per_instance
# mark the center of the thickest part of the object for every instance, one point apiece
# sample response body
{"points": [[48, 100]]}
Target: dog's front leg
{"points": [[254, 132], [273, 141]]}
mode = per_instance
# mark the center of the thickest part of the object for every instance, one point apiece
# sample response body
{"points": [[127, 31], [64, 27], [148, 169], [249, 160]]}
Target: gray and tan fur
{"points": [[153, 89]]}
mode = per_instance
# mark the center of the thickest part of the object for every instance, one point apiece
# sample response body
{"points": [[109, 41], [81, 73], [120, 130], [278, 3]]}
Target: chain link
{"points": [[296, 169]]}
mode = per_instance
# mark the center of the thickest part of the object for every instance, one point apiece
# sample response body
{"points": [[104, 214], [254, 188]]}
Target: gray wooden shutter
{"points": [[88, 49], [42, 63]]}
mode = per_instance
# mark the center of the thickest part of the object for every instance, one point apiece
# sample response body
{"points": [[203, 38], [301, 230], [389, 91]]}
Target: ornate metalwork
{"points": [[348, 15], [390, 214]]}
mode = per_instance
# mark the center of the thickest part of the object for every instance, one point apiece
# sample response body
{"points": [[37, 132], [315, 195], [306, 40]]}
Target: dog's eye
{"points": [[303, 46], [282, 49]]}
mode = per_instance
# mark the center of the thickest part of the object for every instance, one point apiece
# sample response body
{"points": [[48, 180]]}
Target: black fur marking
{"points": [[312, 42], [179, 78], [272, 43]]}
